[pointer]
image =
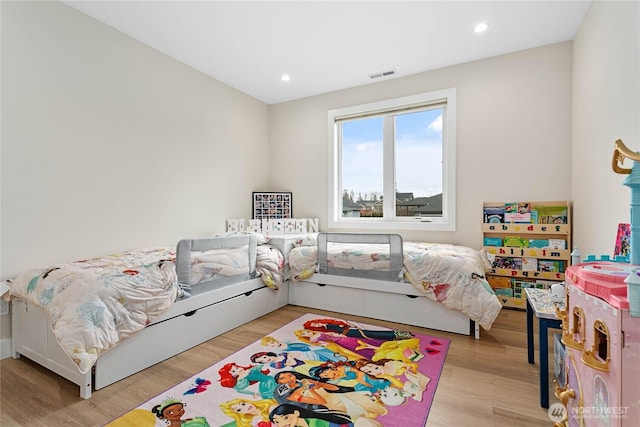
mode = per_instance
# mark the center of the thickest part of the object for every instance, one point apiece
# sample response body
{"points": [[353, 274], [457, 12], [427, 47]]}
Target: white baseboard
{"points": [[5, 348]]}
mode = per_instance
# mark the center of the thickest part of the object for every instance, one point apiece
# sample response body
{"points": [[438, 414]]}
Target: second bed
{"points": [[433, 285]]}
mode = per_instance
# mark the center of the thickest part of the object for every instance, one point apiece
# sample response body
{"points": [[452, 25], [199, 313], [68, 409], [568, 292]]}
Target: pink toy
{"points": [[602, 343]]}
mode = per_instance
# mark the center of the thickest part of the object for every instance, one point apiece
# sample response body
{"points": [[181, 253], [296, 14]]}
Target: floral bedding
{"points": [[455, 276], [93, 304], [451, 274], [270, 265]]}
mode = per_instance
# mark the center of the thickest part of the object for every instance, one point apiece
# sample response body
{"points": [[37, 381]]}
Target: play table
{"points": [[540, 305]]}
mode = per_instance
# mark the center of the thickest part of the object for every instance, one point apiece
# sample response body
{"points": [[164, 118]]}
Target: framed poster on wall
{"points": [[272, 205]]}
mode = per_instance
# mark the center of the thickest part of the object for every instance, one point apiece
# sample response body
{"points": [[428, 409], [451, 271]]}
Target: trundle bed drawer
{"points": [[326, 297], [413, 310], [162, 340], [391, 306]]}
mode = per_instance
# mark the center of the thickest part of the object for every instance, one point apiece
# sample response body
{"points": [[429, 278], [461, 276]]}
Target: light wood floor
{"points": [[485, 382]]}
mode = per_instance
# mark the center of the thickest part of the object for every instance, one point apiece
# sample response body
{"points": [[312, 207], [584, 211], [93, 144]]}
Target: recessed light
{"points": [[481, 27], [285, 77]]}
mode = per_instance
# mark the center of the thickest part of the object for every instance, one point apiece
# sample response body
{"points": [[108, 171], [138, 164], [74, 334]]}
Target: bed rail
{"points": [[184, 252], [394, 241]]}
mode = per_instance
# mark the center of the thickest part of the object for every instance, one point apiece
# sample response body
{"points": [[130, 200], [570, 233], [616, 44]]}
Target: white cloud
{"points": [[366, 146], [436, 124]]}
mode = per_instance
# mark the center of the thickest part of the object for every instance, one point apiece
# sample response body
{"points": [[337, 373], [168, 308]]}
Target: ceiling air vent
{"points": [[382, 74]]}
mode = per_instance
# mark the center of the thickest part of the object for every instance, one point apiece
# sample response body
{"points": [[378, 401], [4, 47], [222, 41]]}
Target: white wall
{"points": [[513, 129], [606, 107], [109, 145]]}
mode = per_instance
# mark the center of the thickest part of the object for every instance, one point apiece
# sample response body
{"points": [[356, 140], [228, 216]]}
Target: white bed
{"points": [[224, 295], [436, 286], [221, 296]]}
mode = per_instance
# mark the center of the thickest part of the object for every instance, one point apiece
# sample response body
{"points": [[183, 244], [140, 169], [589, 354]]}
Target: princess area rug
{"points": [[312, 372]]}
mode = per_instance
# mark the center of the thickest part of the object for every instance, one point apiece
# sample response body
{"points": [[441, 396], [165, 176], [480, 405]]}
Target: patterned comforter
{"points": [[94, 304], [451, 274]]}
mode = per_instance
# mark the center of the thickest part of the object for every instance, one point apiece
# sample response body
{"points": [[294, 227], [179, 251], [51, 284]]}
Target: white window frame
{"points": [[448, 220]]}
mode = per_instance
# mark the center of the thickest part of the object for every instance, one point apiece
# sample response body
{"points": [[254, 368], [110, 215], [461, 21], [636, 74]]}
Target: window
{"points": [[393, 164]]}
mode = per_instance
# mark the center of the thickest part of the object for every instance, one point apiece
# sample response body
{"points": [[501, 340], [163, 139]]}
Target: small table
{"points": [[539, 303]]}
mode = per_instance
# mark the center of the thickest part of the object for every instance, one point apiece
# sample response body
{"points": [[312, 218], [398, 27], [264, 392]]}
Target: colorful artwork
{"points": [[270, 205]]}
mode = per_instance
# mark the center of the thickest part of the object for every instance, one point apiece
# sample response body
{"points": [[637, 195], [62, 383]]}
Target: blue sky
{"points": [[418, 154]]}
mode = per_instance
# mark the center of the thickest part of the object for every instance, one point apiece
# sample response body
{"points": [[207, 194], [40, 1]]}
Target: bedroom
{"points": [[174, 117]]}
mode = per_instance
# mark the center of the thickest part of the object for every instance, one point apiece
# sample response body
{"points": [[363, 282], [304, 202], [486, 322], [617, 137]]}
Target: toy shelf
{"points": [[531, 246]]}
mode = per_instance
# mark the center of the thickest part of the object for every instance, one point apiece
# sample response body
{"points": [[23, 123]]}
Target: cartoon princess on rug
{"points": [[345, 373], [240, 378], [301, 350], [244, 411], [351, 348], [415, 382], [345, 328], [295, 388], [171, 411], [407, 350], [276, 360], [391, 369], [295, 416]]}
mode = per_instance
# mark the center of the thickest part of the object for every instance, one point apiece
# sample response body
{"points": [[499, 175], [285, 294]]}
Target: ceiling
{"points": [[331, 45]]}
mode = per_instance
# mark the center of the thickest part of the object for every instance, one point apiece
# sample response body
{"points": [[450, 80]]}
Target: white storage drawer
{"points": [[152, 344], [419, 311], [327, 297], [378, 304]]}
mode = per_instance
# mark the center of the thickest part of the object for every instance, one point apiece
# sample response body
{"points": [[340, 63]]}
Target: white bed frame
{"points": [[378, 299], [376, 295], [189, 322], [224, 308]]}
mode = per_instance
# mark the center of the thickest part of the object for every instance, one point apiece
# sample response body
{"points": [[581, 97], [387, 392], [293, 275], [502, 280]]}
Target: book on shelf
{"points": [[499, 282], [552, 214], [508, 263], [493, 215], [551, 266], [517, 212], [515, 242], [492, 241], [529, 264], [539, 243], [504, 292], [557, 244]]}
